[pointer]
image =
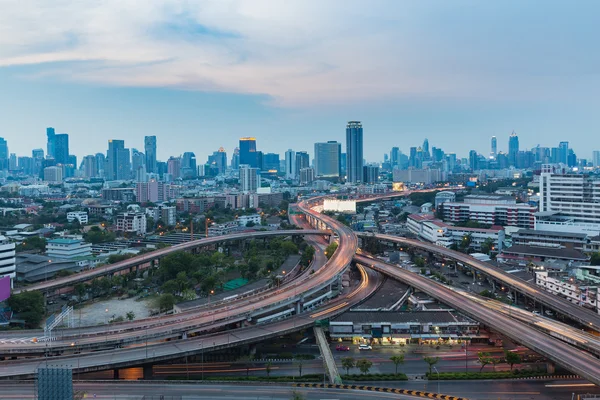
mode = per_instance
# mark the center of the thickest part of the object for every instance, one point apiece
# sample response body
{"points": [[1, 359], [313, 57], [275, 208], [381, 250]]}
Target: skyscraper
{"points": [[395, 157], [426, 153], [38, 159], [249, 180], [248, 154], [174, 167], [101, 164], [138, 164], [494, 147], [150, 149], [513, 149], [354, 152], [370, 174], [188, 163], [327, 161], [302, 161], [61, 148], [563, 152], [596, 158], [118, 164], [90, 166], [235, 158], [290, 164], [3, 154], [271, 162], [50, 145]]}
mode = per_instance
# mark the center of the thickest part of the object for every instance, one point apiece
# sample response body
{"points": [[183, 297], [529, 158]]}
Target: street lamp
{"points": [[438, 375], [212, 312], [106, 323]]}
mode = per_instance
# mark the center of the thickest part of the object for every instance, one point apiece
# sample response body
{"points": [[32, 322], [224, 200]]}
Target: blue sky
{"points": [[201, 74]]}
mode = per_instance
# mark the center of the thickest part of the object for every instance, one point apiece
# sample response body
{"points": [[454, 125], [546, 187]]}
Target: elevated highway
{"points": [[575, 360], [156, 255], [556, 303]]}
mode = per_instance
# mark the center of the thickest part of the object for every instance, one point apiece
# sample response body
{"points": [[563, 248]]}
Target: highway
{"points": [[139, 355], [575, 360], [90, 274], [573, 311]]}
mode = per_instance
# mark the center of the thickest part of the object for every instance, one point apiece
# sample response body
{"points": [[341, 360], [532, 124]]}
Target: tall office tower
{"points": [[596, 158], [307, 175], [150, 149], [174, 167], [571, 158], [218, 159], [12, 162], [38, 159], [100, 164], [290, 164], [25, 165], [3, 154], [117, 161], [328, 159], [426, 153], [188, 163], [249, 178], [494, 147], [563, 152], [302, 161], [248, 154], [451, 157], [437, 155], [395, 157], [235, 158], [271, 162], [370, 174], [90, 166], [50, 134], [343, 165], [412, 158], [354, 152], [473, 160], [61, 148], [513, 149], [138, 164]]}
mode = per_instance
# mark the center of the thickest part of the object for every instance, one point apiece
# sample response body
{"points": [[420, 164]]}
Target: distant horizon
{"points": [[199, 75]]}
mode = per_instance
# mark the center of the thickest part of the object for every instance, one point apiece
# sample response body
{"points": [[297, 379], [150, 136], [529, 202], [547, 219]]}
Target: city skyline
{"points": [[181, 71]]}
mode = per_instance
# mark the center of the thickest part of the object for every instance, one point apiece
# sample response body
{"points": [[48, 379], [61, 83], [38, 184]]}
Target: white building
{"points": [[243, 220], [7, 259], [53, 174], [167, 214], [68, 249], [424, 176], [574, 290], [249, 178], [568, 203], [343, 206], [80, 216], [132, 222], [491, 210], [443, 197]]}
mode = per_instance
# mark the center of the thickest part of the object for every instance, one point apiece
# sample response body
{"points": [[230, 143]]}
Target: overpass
{"points": [[153, 256], [573, 311], [575, 360]]}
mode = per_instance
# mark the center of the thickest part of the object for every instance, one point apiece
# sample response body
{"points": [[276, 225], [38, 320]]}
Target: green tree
{"points": [[130, 315], [483, 358], [33, 243], [297, 396], [487, 246], [348, 363], [80, 289], [364, 365], [487, 293], [299, 361], [329, 250], [289, 248], [420, 262], [29, 306], [595, 259], [268, 366], [397, 360], [495, 361], [166, 302], [431, 361], [465, 243], [512, 358], [307, 255]]}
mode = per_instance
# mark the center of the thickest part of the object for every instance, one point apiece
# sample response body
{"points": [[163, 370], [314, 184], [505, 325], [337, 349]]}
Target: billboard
{"points": [[4, 288], [343, 206]]}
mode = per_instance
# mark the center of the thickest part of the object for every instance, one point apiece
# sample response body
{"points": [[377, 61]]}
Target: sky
{"points": [[201, 74]]}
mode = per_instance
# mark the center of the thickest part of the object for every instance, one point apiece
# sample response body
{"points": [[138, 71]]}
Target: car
{"points": [[341, 347], [365, 347]]}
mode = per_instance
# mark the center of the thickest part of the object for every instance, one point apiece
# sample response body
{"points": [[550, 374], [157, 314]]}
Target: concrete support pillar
{"points": [[550, 368], [115, 374], [299, 305], [147, 372], [474, 274]]}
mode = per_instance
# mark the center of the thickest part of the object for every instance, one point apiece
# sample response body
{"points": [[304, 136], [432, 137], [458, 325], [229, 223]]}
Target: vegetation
{"points": [[487, 246], [33, 243], [431, 361], [348, 363], [29, 306], [420, 198], [364, 365], [397, 360], [166, 302], [484, 375], [595, 259], [96, 235], [484, 359], [512, 358], [329, 250], [376, 377]]}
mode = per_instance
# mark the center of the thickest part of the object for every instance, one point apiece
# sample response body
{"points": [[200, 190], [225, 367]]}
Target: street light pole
{"points": [[438, 375], [202, 359]]}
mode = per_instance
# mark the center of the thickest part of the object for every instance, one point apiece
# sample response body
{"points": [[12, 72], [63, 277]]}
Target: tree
{"points": [[420, 262], [465, 243], [348, 363], [33, 243], [299, 361], [307, 255], [512, 358], [495, 361], [297, 396], [431, 361], [130, 315], [80, 289], [397, 360], [268, 367], [483, 358], [29, 306], [595, 259], [364, 365], [170, 286], [329, 250], [166, 302], [487, 293], [487, 246], [289, 248]]}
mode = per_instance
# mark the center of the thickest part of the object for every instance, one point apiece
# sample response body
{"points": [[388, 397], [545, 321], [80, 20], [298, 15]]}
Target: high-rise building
{"points": [[218, 159], [7, 259], [53, 174], [50, 134], [370, 174], [90, 166], [354, 152], [118, 161], [25, 165], [38, 159], [270, 162], [235, 158], [12, 162], [596, 158], [138, 165], [248, 154], [302, 161], [150, 149], [3, 154], [189, 167], [174, 167], [513, 149], [426, 154], [395, 157], [563, 152], [61, 148], [100, 164], [473, 160], [249, 178], [494, 147], [307, 176], [290, 164], [327, 161]]}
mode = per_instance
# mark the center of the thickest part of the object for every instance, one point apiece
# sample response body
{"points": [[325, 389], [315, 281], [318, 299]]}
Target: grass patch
{"points": [[484, 375]]}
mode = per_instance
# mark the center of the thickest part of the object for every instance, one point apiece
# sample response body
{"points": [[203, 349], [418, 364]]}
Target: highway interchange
{"points": [[575, 360]]}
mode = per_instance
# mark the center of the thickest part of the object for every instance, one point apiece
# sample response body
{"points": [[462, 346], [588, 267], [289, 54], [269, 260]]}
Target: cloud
{"points": [[300, 52]]}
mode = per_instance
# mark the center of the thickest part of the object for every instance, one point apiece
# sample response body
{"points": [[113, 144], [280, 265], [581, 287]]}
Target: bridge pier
{"points": [[147, 372], [550, 368], [115, 374]]}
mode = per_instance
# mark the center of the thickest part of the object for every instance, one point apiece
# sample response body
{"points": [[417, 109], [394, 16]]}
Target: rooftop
{"points": [[64, 241], [549, 252], [420, 317], [534, 232]]}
